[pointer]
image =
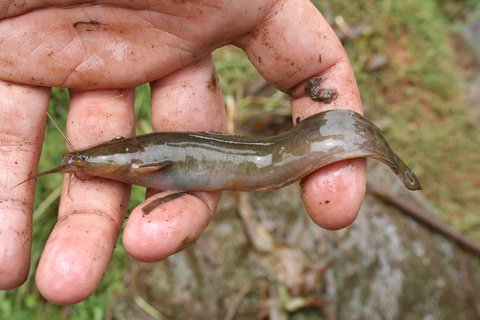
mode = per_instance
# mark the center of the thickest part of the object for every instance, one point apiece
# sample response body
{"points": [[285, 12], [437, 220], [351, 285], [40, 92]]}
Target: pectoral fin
{"points": [[148, 168]]}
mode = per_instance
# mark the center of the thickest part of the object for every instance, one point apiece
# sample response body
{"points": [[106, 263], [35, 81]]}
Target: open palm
{"points": [[102, 50]]}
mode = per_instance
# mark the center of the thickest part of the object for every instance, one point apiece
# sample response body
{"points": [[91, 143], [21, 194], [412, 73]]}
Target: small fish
{"points": [[211, 161]]}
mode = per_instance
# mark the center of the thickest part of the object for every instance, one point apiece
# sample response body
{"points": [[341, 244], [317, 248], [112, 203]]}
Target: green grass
{"points": [[416, 98]]}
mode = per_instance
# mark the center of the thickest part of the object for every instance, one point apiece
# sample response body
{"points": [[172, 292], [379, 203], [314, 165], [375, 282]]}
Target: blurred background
{"points": [[418, 67]]}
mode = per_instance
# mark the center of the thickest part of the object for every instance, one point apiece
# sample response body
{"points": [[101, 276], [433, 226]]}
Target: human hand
{"points": [[101, 50]]}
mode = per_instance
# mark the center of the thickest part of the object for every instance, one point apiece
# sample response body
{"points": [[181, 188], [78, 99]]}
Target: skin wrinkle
{"points": [[8, 140], [7, 6], [78, 38], [20, 237], [11, 183], [153, 26], [81, 212], [49, 3], [157, 22], [59, 52], [156, 27], [27, 239], [143, 61], [22, 147], [75, 72], [176, 44], [13, 203]]}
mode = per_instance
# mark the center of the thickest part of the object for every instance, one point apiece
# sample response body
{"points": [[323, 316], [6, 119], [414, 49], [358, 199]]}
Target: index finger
{"points": [[293, 46]]}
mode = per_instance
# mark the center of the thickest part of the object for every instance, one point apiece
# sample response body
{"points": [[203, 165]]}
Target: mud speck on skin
{"points": [[213, 83], [314, 90]]}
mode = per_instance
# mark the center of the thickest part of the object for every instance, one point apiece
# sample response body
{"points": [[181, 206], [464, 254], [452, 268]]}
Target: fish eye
{"points": [[83, 157]]}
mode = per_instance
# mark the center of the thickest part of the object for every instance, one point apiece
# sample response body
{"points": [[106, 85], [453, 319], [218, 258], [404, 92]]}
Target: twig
{"points": [[427, 219], [233, 308], [258, 235], [468, 284]]}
